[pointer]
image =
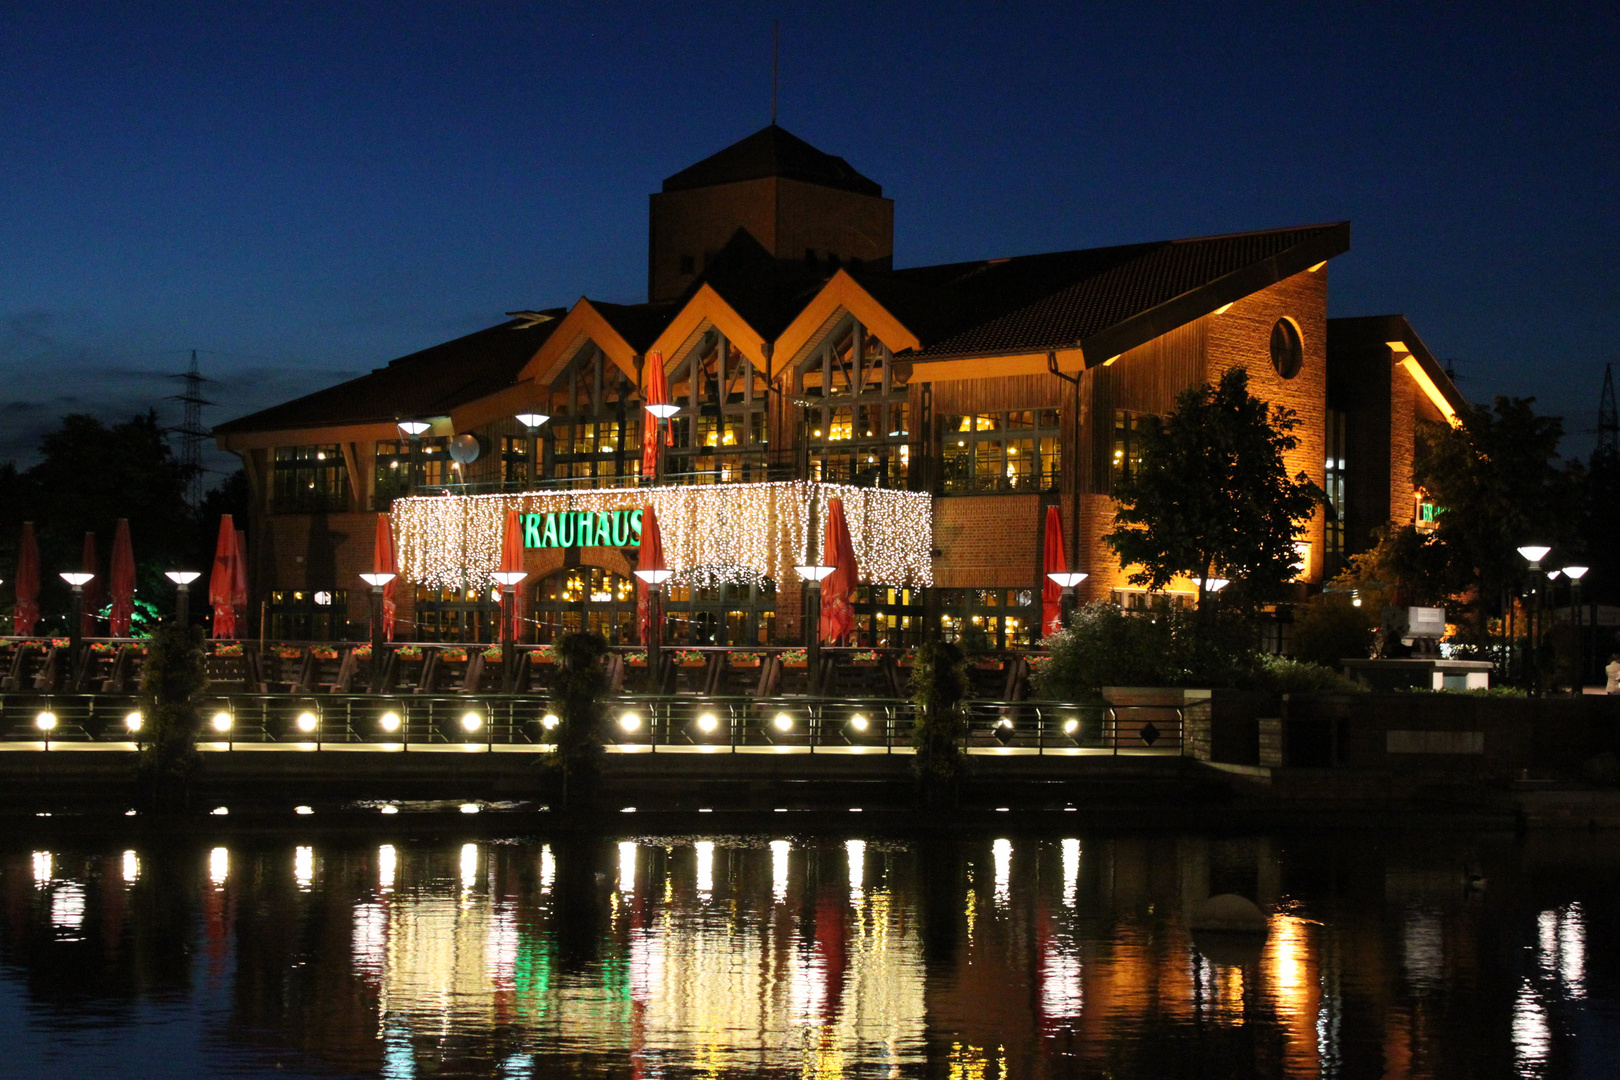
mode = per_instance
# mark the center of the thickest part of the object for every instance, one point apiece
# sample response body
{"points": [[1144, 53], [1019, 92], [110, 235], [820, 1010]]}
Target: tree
{"points": [[939, 685], [1211, 497], [1498, 483], [577, 698]]}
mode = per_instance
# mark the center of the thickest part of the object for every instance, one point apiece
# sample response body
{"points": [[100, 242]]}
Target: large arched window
{"points": [[585, 598], [720, 613], [455, 615], [856, 410], [594, 437], [720, 435]]}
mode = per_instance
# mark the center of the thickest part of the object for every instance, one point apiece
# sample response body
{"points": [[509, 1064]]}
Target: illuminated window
{"points": [[585, 598], [724, 613], [310, 479], [515, 460], [1001, 451], [1334, 484], [1127, 456], [594, 437], [984, 619], [1287, 350], [720, 433], [455, 615], [308, 615], [395, 466], [854, 410]]}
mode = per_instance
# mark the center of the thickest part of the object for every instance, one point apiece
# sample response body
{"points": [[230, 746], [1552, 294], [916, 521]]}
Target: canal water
{"points": [[996, 955]]}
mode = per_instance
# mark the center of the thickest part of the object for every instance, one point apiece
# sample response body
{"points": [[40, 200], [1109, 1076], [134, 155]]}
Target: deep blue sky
{"points": [[305, 191]]}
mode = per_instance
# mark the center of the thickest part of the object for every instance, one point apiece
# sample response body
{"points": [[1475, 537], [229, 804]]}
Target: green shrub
{"points": [[578, 699], [1280, 675], [1106, 646], [1331, 629], [174, 675], [939, 685]]}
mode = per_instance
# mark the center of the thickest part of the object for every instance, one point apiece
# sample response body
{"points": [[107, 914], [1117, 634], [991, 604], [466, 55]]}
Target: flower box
{"points": [[867, 659], [453, 656], [989, 665], [408, 652], [543, 655], [290, 654], [686, 658], [363, 653], [907, 659], [325, 654], [743, 659], [494, 655], [795, 658], [101, 648], [60, 642], [636, 659], [227, 650]]}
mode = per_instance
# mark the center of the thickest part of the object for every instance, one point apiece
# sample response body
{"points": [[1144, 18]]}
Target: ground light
{"points": [[707, 723], [1071, 728], [389, 721], [133, 721], [550, 721], [1004, 731], [630, 721], [307, 721], [45, 721], [222, 722], [858, 724], [783, 722], [471, 722]]}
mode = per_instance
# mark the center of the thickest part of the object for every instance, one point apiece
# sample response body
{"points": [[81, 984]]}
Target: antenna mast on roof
{"points": [[776, 49], [1608, 429], [191, 430]]}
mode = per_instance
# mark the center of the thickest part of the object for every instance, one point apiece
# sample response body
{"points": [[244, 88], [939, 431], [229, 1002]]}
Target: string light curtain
{"points": [[712, 533]]}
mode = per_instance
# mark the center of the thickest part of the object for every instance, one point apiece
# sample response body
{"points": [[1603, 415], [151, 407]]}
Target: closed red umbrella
{"points": [[838, 590], [512, 562], [121, 581], [92, 588], [654, 391], [650, 557], [1055, 562], [26, 614], [382, 562], [222, 582]]}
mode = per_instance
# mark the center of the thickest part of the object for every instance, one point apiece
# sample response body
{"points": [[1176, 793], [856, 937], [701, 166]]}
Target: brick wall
{"points": [[987, 541]]}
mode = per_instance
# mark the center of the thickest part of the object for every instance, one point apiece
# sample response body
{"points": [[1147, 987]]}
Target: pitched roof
{"points": [[771, 151], [426, 383], [638, 324], [1035, 303]]}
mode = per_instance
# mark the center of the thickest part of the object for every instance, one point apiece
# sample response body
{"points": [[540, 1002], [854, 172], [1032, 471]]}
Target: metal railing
{"points": [[633, 723]]}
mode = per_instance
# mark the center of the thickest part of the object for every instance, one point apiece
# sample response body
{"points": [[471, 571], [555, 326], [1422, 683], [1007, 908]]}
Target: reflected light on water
{"points": [[370, 940], [857, 868], [1423, 949], [779, 869], [705, 867], [387, 867], [42, 868], [548, 868], [627, 866], [132, 867], [1071, 870], [1002, 850], [469, 866], [1532, 1038], [219, 865], [67, 909], [304, 867]]}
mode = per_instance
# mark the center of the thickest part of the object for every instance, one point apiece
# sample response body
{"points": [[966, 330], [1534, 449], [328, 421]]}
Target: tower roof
{"points": [[772, 151]]}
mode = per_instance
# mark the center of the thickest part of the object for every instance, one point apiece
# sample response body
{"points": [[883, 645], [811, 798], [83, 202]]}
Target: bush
{"points": [[1107, 646], [174, 676], [939, 685], [1332, 629], [579, 694], [1280, 675]]}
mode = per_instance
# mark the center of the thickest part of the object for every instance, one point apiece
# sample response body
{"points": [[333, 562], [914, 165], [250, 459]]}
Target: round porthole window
{"points": [[1287, 351]]}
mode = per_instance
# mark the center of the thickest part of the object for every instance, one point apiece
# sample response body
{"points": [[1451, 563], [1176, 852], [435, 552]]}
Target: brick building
{"points": [[798, 353]]}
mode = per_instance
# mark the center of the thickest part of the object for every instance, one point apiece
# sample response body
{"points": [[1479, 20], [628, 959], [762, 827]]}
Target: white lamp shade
{"points": [[532, 419], [663, 412], [1068, 580], [1534, 552], [76, 578], [1215, 584], [183, 577], [655, 577], [1575, 573], [413, 428], [814, 573], [1552, 575], [510, 577], [377, 581]]}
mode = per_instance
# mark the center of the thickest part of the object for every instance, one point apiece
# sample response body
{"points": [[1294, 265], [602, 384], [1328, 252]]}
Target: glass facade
{"points": [[1000, 451], [309, 479], [983, 619]]}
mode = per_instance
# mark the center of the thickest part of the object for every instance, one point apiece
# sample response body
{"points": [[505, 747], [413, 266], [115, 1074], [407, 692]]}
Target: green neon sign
{"points": [[583, 528]]}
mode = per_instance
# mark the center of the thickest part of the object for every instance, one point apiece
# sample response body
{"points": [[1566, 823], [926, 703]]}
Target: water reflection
{"points": [[741, 956]]}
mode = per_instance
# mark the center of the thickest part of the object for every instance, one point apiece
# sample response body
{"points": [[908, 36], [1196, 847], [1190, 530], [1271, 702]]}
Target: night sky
{"points": [[306, 191]]}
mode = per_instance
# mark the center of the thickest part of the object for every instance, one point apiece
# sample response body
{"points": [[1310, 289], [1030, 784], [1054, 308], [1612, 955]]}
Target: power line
{"points": [[191, 431]]}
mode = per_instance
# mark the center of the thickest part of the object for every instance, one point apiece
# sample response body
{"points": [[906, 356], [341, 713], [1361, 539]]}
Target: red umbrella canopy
{"points": [[512, 560], [650, 557], [222, 582], [121, 581], [26, 614], [654, 392], [838, 591], [1053, 563], [92, 588], [239, 584], [382, 562]]}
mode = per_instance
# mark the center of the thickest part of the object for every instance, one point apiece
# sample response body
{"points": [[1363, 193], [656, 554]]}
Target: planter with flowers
{"points": [[60, 642], [868, 658], [493, 655], [690, 658], [325, 654], [743, 659], [287, 652], [453, 656], [907, 659], [636, 659], [543, 654], [795, 658], [102, 648], [409, 653], [228, 650]]}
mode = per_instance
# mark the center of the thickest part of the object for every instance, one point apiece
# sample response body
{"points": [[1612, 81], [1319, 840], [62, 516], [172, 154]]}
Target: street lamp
{"points": [[376, 581], [182, 585], [509, 582], [661, 412], [1068, 581], [532, 422], [814, 575], [77, 579], [412, 430], [655, 620], [1533, 554], [1575, 573]]}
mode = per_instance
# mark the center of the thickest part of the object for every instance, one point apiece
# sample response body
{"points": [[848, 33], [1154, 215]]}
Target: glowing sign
{"points": [[583, 528]]}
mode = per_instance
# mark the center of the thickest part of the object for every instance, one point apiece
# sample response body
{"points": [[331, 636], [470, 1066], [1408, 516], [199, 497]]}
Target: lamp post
{"points": [[182, 585], [532, 421], [509, 582], [412, 430], [78, 580], [814, 575], [376, 581], [1533, 554], [655, 621], [1069, 583], [661, 413], [1575, 573]]}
